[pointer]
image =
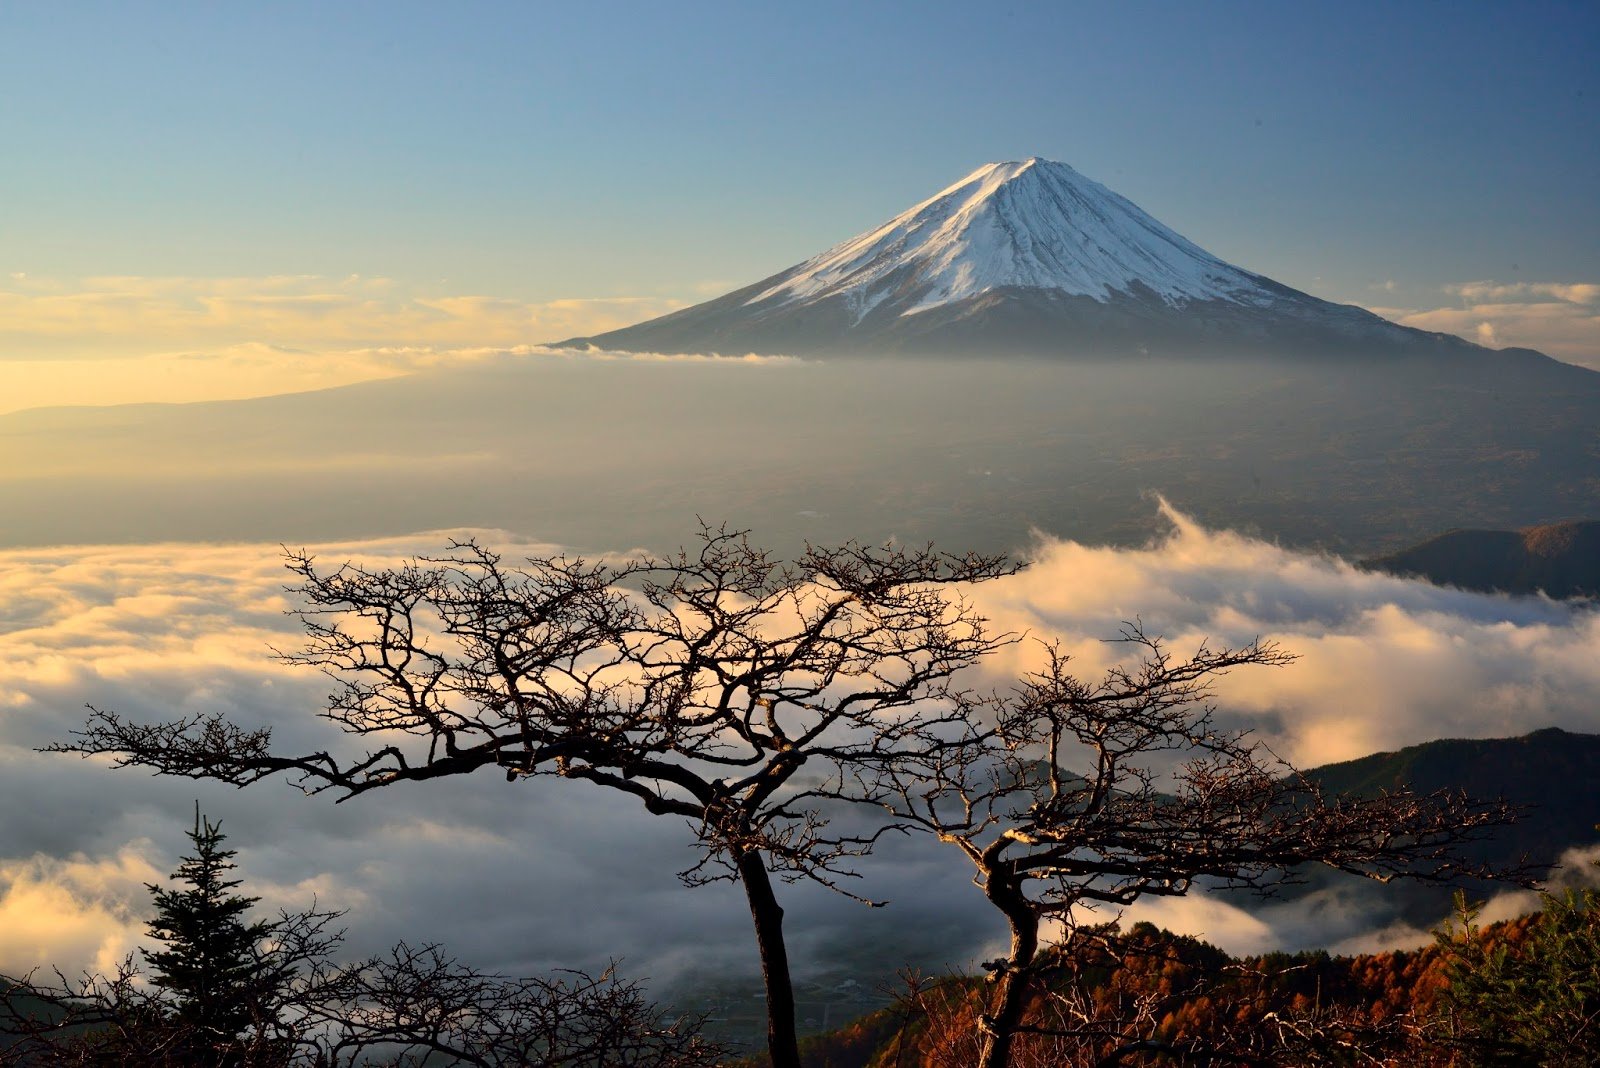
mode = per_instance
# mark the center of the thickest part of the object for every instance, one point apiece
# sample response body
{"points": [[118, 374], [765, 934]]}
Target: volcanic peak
{"points": [[1028, 224], [1024, 258]]}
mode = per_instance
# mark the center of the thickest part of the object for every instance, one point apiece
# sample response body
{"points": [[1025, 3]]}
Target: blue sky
{"points": [[1369, 153]]}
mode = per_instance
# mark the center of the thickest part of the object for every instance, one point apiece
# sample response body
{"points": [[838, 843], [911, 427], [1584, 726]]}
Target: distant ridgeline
{"points": [[1552, 772], [1560, 559]]}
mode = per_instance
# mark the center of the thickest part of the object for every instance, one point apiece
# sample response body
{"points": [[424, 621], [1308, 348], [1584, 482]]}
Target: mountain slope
{"points": [[1562, 559], [1025, 257], [1549, 772]]}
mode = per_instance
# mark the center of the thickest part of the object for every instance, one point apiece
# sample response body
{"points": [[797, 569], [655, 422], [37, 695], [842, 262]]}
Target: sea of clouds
{"points": [[533, 875]]}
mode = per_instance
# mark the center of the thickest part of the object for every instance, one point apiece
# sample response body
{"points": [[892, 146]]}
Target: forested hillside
{"points": [[1509, 993]]}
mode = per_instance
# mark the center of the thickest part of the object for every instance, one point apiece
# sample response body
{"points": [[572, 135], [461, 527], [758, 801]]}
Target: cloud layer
{"points": [[537, 874], [117, 340], [1384, 662]]}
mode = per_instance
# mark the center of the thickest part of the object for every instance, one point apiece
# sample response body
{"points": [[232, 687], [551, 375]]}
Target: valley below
{"points": [[1358, 458]]}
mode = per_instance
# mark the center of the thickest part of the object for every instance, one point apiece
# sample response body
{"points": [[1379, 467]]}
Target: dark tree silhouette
{"points": [[220, 969], [1067, 795], [228, 992], [221, 990], [718, 687], [399, 1008], [416, 1003]]}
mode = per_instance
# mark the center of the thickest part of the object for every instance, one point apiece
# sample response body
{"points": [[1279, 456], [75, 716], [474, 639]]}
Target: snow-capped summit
{"points": [[1034, 224], [1023, 257]]}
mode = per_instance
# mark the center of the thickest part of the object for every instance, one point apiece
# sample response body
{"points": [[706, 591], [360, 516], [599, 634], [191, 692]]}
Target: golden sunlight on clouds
{"points": [[1384, 662], [75, 913], [1558, 318], [114, 340]]}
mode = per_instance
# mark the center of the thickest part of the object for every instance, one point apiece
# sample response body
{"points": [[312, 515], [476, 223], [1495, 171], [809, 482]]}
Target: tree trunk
{"points": [[1011, 993], [782, 1044]]}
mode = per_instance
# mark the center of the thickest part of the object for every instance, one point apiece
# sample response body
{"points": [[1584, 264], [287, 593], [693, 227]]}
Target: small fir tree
{"points": [[226, 992], [212, 962]]}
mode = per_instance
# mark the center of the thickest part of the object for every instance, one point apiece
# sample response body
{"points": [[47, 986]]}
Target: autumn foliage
{"points": [[1149, 997]]}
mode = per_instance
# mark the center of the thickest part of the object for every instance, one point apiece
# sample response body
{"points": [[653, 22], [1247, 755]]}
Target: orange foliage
{"points": [[1168, 989]]}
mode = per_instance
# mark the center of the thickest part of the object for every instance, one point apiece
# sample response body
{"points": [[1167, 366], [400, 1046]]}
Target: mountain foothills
{"points": [[1549, 773], [1558, 559], [1021, 258], [1518, 992]]}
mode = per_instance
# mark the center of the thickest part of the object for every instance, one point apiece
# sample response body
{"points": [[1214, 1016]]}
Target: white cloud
{"points": [[74, 913], [1384, 662], [1558, 318]]}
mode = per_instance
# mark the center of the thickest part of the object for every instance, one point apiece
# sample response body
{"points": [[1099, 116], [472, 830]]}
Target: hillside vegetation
{"points": [[1503, 994]]}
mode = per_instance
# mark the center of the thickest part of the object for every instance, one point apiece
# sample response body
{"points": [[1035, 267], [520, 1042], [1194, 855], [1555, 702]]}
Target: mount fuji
{"points": [[1021, 258]]}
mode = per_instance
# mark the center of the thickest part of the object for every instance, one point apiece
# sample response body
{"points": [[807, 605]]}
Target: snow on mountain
{"points": [[1034, 224], [1022, 258]]}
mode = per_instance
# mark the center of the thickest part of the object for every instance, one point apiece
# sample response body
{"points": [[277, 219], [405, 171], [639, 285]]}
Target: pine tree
{"points": [[1529, 1001], [212, 963]]}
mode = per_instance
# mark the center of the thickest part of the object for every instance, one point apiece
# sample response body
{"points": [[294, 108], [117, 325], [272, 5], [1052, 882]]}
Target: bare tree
{"points": [[90, 1020], [719, 687], [1083, 794], [416, 1005]]}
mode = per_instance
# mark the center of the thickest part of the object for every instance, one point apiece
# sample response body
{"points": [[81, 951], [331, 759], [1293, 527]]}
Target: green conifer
{"points": [[1531, 1001], [211, 962]]}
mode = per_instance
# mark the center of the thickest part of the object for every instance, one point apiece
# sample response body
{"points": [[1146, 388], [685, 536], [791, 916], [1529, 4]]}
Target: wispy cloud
{"points": [[253, 369], [1525, 292], [137, 313], [1559, 318], [120, 339]]}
